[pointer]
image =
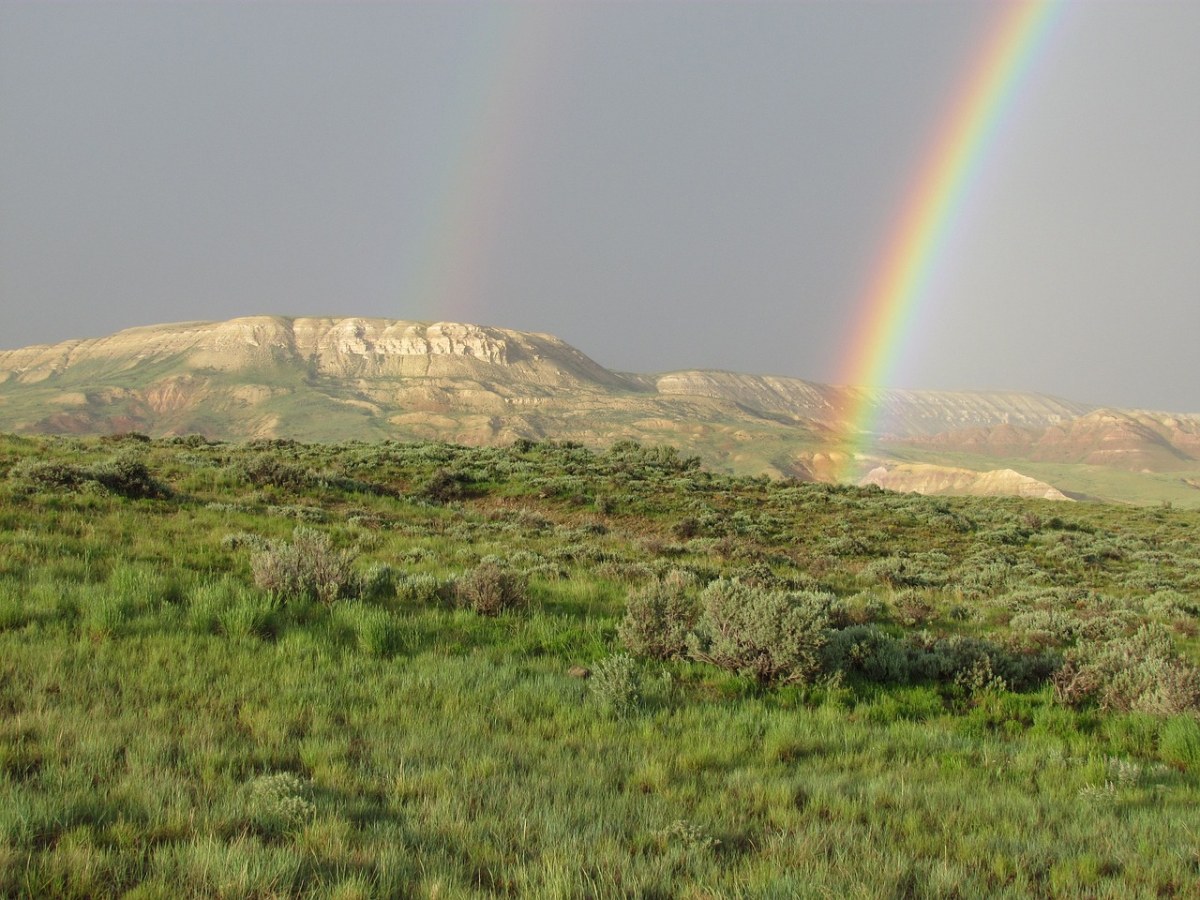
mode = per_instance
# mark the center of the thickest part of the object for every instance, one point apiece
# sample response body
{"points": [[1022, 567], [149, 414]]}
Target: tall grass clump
{"points": [[375, 631], [308, 568]]}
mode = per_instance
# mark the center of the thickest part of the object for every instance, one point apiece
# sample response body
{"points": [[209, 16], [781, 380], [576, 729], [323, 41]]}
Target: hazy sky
{"points": [[662, 184]]}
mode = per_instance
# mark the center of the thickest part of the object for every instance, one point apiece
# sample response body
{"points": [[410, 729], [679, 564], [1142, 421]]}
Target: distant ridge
{"points": [[333, 379]]}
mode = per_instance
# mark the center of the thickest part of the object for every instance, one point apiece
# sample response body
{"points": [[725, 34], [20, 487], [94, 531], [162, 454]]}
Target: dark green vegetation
{"points": [[279, 669]]}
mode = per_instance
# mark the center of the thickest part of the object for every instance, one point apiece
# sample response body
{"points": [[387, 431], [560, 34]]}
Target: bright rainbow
{"points": [[960, 149]]}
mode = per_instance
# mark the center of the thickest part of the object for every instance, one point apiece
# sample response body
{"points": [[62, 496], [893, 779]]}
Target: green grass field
{"points": [[261, 670]]}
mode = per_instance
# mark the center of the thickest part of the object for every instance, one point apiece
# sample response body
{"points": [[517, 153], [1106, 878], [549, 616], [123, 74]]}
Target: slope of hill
{"points": [[369, 379]]}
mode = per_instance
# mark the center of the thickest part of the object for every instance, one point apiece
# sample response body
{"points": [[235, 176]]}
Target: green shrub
{"points": [[869, 651], [266, 470], [126, 475], [276, 804], [33, 474], [445, 485], [1141, 673], [772, 636], [615, 684], [489, 589], [307, 568], [658, 619], [977, 663], [420, 588], [898, 572]]}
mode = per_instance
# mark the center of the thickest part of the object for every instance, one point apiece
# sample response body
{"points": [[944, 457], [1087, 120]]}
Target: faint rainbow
{"points": [[890, 308], [469, 199]]}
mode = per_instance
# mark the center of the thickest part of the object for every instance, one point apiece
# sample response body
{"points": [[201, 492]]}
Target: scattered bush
{"points": [[615, 684], [421, 588], [489, 589], [1141, 673], [266, 470], [658, 619], [868, 651], [445, 485], [772, 636], [275, 805], [32, 474], [967, 660], [126, 475], [309, 568]]}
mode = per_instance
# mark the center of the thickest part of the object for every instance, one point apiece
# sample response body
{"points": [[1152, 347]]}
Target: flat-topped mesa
{"points": [[333, 347]]}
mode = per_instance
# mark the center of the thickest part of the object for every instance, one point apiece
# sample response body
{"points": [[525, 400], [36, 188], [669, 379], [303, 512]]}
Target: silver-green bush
{"points": [[772, 636]]}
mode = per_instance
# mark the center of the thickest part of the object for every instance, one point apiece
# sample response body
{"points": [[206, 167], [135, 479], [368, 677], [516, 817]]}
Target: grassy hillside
{"points": [[353, 670]]}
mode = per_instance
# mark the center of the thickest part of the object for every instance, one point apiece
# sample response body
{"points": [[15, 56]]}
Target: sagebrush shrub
{"points": [[869, 651], [276, 804], [126, 474], [964, 660], [658, 618], [309, 568], [615, 684], [445, 485], [489, 589], [266, 470], [1140, 673], [772, 636], [33, 474], [420, 587]]}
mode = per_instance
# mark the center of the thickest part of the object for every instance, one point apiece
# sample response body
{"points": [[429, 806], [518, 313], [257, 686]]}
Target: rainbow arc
{"points": [[959, 150]]}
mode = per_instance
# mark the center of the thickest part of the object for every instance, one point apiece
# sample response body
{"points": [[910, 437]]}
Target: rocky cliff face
{"points": [[337, 379]]}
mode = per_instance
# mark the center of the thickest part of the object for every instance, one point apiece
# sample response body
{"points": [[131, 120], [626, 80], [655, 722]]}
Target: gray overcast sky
{"points": [[662, 184]]}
